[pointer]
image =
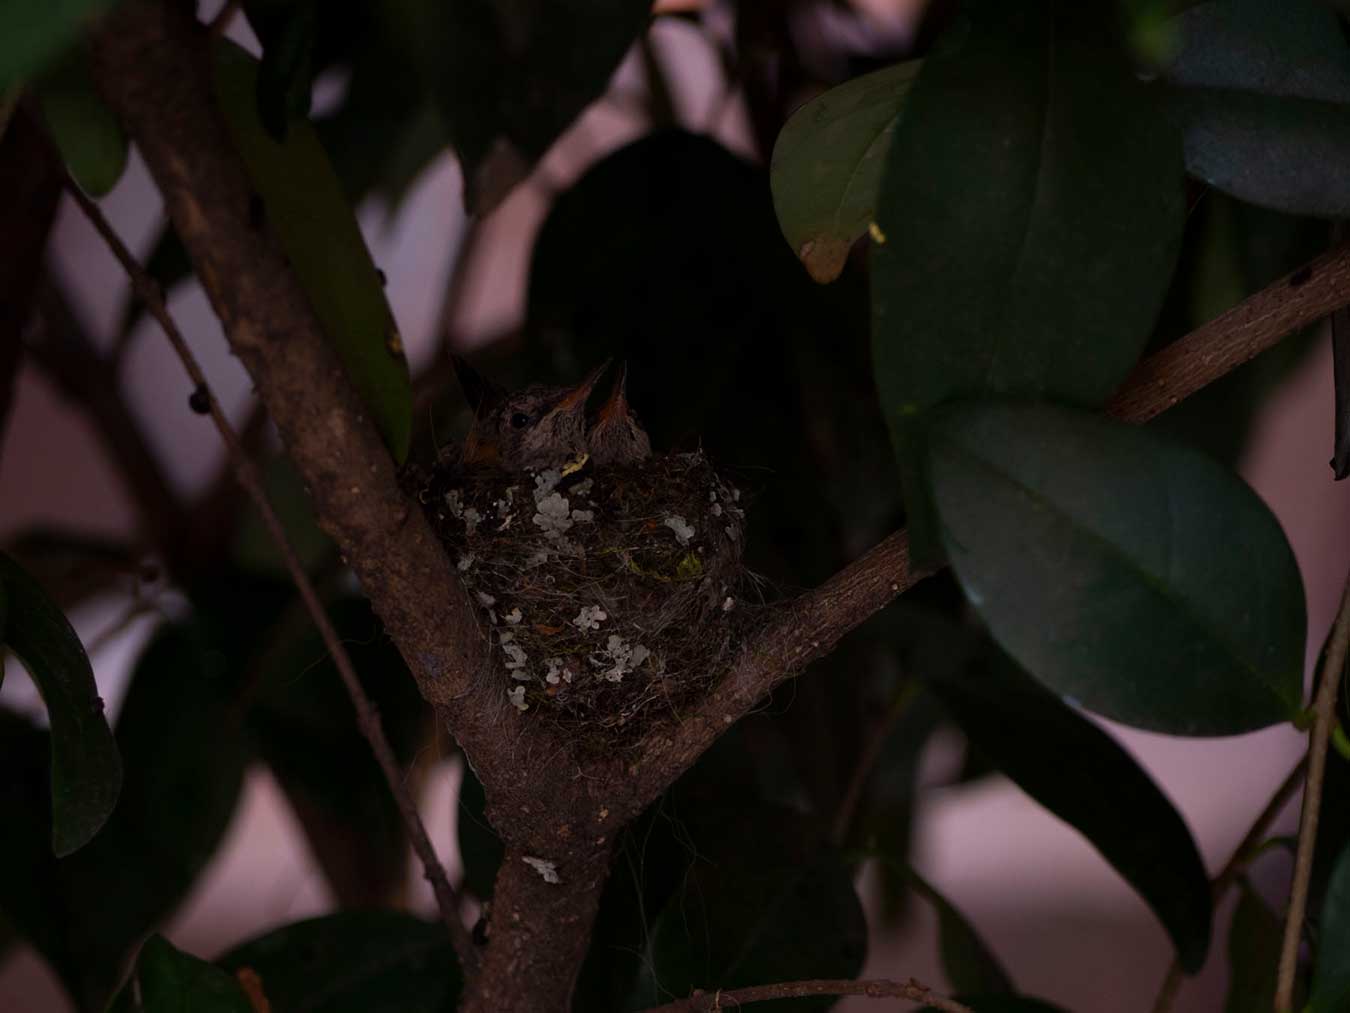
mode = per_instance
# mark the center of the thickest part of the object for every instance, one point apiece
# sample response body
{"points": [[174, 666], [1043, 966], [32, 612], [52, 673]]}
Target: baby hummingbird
{"points": [[534, 427], [615, 436]]}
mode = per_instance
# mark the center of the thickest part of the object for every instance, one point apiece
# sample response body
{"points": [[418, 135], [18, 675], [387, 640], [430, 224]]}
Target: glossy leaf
{"points": [[86, 771], [1027, 733], [827, 162], [1072, 534], [33, 33], [85, 130], [1028, 237], [168, 980], [1263, 94], [1331, 972], [303, 204], [510, 79], [1253, 955], [372, 961], [30, 188], [179, 740], [776, 911]]}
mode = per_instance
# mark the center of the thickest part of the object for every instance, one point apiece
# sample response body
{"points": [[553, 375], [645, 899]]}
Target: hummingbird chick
{"points": [[534, 427], [615, 436]]}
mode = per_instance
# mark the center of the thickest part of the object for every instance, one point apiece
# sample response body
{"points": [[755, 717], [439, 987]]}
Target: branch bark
{"points": [[875, 989]]}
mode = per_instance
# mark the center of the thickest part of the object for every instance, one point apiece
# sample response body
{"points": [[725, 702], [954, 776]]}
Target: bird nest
{"points": [[610, 594]]}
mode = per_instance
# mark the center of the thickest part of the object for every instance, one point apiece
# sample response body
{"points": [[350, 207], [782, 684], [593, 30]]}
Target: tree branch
{"points": [[808, 627], [705, 1002], [152, 63], [148, 290]]}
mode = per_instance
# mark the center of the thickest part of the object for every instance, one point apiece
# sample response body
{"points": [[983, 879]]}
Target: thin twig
{"points": [[1247, 849], [148, 291], [703, 1002], [1324, 709]]}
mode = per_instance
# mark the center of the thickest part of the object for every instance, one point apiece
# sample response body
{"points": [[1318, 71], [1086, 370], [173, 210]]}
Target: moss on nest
{"points": [[611, 593]]}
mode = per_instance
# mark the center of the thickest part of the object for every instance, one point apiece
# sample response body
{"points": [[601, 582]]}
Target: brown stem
{"points": [[1324, 709], [152, 63], [1246, 850], [705, 1002], [246, 471]]}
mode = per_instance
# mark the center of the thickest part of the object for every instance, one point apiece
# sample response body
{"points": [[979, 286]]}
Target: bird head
{"points": [[530, 428], [615, 436]]}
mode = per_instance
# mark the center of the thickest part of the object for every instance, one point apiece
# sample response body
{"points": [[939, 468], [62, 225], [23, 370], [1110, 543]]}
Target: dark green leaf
{"points": [[1028, 236], [1333, 826], [1263, 94], [286, 29], [303, 204], [760, 904], [86, 771], [827, 164], [88, 134], [480, 848], [1071, 533], [371, 961], [1331, 972], [967, 961], [1103, 794], [1253, 955], [304, 728], [510, 78], [33, 33], [171, 981], [179, 740]]}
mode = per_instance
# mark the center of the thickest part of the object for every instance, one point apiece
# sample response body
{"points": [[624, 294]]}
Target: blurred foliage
{"points": [[1032, 234]]}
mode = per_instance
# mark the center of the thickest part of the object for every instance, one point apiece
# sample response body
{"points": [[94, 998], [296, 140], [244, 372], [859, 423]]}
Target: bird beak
{"points": [[575, 399], [616, 405], [481, 393]]}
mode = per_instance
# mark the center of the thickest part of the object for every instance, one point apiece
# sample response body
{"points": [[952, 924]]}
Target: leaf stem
{"points": [[1248, 848], [148, 291], [1325, 706]]}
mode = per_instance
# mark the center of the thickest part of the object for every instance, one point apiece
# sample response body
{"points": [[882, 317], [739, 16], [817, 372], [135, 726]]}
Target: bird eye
{"points": [[519, 420]]}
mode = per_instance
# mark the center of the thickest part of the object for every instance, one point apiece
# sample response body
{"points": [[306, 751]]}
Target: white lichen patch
{"points": [[555, 671], [583, 516], [472, 518], [584, 487], [517, 697], [537, 558], [486, 600], [684, 531], [553, 517], [513, 617], [466, 562], [727, 605], [545, 482], [620, 657], [548, 871], [590, 618], [716, 509], [455, 501]]}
